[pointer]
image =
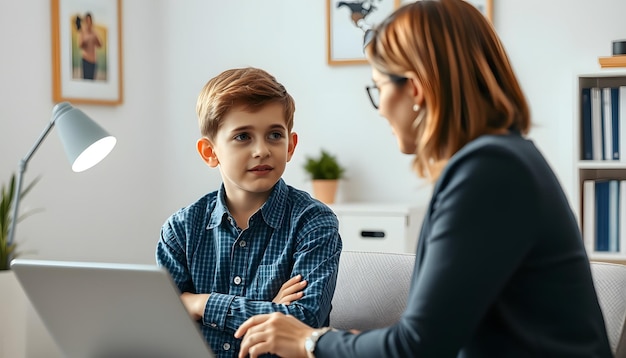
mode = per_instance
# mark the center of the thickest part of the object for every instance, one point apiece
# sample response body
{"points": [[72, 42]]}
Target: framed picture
{"points": [[484, 6], [346, 22], [87, 51]]}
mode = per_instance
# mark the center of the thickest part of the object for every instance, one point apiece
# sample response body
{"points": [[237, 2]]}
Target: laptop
{"points": [[106, 310]]}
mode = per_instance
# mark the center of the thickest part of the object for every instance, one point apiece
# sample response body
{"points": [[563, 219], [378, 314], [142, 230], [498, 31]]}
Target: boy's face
{"points": [[252, 149]]}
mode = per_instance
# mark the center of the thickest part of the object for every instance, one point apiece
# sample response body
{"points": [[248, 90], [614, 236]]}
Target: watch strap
{"points": [[311, 341]]}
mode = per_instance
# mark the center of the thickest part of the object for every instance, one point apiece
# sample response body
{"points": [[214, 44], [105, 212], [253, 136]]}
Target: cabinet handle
{"points": [[373, 234]]}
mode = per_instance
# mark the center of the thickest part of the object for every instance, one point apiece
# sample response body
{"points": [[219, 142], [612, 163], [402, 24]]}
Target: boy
{"points": [[256, 245]]}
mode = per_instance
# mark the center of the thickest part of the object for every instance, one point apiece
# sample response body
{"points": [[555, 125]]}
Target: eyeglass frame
{"points": [[395, 79]]}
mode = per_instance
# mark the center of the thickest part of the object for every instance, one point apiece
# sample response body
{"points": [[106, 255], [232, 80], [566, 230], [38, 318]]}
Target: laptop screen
{"points": [[104, 310]]}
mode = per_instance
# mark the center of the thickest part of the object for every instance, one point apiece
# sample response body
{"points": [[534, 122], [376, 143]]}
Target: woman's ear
{"points": [[207, 152], [415, 88]]}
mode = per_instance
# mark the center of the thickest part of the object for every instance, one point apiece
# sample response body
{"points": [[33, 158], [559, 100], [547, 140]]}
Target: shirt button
{"points": [[226, 346], [237, 280], [213, 325], [242, 243]]}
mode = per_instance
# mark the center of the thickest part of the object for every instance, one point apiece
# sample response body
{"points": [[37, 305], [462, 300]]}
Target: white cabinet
{"points": [[379, 227]]}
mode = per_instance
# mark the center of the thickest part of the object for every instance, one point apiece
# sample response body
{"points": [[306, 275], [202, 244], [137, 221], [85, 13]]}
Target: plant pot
{"points": [[13, 306], [325, 190]]}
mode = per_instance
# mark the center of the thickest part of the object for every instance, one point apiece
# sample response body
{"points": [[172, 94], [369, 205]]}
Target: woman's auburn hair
{"points": [[248, 88], [469, 86]]}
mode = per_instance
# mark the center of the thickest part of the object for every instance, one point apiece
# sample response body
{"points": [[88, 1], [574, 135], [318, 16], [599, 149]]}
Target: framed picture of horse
{"points": [[346, 23]]}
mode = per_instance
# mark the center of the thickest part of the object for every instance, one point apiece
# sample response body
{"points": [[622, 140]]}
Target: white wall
{"points": [[287, 38], [113, 212]]}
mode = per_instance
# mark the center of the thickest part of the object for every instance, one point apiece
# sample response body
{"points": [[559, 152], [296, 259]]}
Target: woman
{"points": [[500, 270], [88, 42]]}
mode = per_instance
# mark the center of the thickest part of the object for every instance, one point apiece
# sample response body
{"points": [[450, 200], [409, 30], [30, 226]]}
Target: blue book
{"points": [[602, 216], [596, 123], [587, 153], [615, 120], [614, 215]]}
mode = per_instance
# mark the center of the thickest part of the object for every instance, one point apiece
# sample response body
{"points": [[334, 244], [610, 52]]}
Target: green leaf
{"points": [[325, 166], [9, 252]]}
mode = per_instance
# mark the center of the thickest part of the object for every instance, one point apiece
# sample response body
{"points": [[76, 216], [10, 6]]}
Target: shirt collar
{"points": [[272, 210], [220, 211]]}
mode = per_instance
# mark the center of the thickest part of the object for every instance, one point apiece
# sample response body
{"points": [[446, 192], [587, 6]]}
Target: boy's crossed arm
{"points": [[291, 290]]}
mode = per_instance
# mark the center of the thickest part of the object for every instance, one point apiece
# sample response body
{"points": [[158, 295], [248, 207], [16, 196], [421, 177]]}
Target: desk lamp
{"points": [[85, 143]]}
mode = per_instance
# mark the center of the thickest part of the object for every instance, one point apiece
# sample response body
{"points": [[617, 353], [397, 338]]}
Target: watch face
{"points": [[309, 345]]}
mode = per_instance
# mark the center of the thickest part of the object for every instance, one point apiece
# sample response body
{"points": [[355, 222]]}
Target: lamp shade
{"points": [[85, 142]]}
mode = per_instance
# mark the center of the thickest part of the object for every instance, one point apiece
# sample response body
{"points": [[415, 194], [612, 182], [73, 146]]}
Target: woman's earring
{"points": [[416, 108]]}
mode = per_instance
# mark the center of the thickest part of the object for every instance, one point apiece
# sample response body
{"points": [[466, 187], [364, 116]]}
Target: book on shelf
{"points": [[596, 124], [621, 109], [589, 215], [603, 135], [604, 209], [615, 125], [622, 215], [587, 150], [602, 216], [613, 212], [607, 124], [612, 61]]}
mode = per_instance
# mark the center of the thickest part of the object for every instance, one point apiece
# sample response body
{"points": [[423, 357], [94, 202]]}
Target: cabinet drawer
{"points": [[373, 233]]}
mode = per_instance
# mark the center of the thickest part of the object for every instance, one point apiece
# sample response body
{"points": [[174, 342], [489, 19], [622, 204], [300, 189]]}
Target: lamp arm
{"points": [[20, 178]]}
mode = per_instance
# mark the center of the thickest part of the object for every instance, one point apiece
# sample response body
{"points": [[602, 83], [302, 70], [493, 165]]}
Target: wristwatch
{"points": [[311, 341]]}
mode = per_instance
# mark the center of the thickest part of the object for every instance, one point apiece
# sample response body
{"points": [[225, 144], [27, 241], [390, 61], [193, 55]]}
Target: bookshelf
{"points": [[600, 164]]}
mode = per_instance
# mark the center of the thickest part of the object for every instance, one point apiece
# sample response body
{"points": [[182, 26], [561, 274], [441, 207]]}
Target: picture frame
{"points": [[346, 22], [484, 6], [87, 51]]}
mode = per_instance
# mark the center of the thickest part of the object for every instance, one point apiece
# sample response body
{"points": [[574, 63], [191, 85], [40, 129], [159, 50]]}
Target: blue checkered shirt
{"points": [[243, 270]]}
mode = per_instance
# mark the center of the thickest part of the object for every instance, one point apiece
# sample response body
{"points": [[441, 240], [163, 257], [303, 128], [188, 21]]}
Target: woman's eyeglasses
{"points": [[373, 92], [368, 37]]}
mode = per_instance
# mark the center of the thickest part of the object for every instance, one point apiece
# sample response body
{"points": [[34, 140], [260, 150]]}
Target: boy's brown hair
{"points": [[250, 88]]}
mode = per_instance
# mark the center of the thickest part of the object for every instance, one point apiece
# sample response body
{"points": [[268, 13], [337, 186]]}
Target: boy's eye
{"points": [[276, 135], [241, 137]]}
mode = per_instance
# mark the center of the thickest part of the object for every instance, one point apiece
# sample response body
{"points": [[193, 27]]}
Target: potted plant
{"points": [[8, 250], [13, 300], [325, 172]]}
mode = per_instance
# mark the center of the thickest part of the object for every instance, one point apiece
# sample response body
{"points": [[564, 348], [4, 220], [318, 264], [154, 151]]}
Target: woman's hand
{"points": [[273, 333], [290, 291]]}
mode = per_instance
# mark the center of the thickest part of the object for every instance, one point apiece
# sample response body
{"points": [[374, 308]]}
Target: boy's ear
{"points": [[206, 151], [293, 142], [415, 87]]}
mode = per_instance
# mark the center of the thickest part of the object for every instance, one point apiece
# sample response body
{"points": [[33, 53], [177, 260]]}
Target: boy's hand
{"points": [[195, 303], [290, 290]]}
